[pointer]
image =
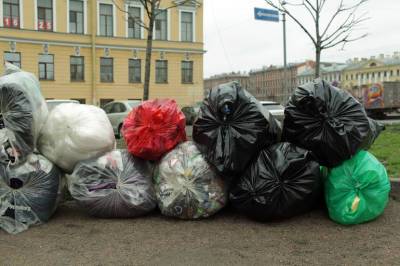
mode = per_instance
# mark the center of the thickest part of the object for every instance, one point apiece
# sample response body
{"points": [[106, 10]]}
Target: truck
{"points": [[381, 98]]}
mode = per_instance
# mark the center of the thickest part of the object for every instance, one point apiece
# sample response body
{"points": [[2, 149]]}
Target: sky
{"points": [[235, 41]]}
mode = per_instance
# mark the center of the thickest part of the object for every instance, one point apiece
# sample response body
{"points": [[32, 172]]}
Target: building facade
{"points": [[215, 80], [365, 72], [94, 50], [331, 72], [269, 83]]}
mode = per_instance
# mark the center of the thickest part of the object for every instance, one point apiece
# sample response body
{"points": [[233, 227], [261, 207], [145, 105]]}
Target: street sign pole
{"points": [[285, 90]]}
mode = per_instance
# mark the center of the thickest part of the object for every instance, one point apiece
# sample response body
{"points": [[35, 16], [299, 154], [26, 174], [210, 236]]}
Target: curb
{"points": [[395, 188]]}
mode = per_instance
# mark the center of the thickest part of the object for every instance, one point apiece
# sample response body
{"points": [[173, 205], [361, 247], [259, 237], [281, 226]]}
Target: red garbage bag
{"points": [[154, 128]]}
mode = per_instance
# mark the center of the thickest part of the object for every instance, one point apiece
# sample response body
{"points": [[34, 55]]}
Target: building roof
{"points": [[364, 62], [324, 68]]}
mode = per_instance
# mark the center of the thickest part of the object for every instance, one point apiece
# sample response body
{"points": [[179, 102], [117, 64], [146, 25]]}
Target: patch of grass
{"points": [[387, 149]]}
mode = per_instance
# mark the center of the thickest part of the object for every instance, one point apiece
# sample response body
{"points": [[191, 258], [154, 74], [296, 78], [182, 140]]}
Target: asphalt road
{"points": [[72, 237]]}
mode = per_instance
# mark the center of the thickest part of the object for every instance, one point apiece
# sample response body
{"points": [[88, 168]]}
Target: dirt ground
{"points": [[73, 238]]}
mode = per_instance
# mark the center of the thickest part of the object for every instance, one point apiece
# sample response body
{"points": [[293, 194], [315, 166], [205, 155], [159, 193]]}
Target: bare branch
{"points": [[282, 9], [345, 40], [137, 21], [309, 10]]}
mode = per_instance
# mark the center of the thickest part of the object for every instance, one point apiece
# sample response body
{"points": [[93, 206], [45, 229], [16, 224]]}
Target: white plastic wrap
{"points": [[186, 185], [75, 132], [114, 185], [29, 193], [23, 112]]}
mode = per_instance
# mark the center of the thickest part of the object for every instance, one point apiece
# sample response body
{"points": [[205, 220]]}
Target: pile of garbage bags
{"points": [[186, 185], [240, 154], [116, 184]]}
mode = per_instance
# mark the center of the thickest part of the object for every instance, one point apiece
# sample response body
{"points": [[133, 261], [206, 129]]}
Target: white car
{"points": [[117, 111], [276, 109], [53, 103]]}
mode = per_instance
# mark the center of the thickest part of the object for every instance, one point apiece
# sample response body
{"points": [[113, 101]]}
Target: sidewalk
{"points": [[72, 237]]}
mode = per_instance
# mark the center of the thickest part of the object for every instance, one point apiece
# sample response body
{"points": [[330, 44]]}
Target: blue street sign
{"points": [[266, 14]]}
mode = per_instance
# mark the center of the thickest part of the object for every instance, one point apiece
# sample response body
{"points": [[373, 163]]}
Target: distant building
{"points": [[364, 72], [215, 80], [269, 83], [331, 72]]}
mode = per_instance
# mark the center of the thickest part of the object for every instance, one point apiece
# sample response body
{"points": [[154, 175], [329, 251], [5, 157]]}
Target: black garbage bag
{"points": [[283, 182], [329, 122], [23, 112], [232, 127], [115, 185], [29, 193]]}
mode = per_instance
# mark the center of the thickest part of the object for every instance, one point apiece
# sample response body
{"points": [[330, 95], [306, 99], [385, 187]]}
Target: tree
{"points": [[152, 10], [338, 28]]}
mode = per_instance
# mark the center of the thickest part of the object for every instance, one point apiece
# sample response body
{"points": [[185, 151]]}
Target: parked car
{"points": [[117, 111], [51, 104], [276, 109], [190, 113]]}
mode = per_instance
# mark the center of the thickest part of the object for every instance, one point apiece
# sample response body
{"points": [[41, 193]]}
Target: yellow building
{"points": [[91, 50], [360, 72]]}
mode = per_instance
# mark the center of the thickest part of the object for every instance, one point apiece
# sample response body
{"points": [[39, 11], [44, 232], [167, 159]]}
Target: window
{"points": [[134, 30], [135, 71], [77, 68], [11, 13], [385, 73], [398, 72], [45, 15], [80, 100], [107, 108], [106, 20], [76, 16], [46, 67], [161, 25], [187, 72], [187, 26], [13, 58], [161, 71], [391, 72], [106, 69]]}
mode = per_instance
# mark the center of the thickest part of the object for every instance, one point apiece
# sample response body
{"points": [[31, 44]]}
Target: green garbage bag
{"points": [[357, 191]]}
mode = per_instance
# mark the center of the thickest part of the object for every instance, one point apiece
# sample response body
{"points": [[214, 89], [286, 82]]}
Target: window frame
{"points": [[12, 62], [106, 34], [45, 16], [186, 70], [39, 63], [157, 71], [11, 14], [166, 11], [82, 28], [112, 69], [181, 28], [128, 21], [83, 68], [131, 70]]}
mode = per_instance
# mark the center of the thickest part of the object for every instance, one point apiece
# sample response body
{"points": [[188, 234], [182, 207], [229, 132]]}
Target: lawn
{"points": [[387, 149]]}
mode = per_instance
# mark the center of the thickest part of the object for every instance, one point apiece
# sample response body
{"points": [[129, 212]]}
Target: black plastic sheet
{"points": [[283, 182], [232, 127], [329, 122]]}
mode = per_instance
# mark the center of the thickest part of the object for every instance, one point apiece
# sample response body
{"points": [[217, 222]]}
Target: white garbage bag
{"points": [[186, 185], [75, 132], [113, 186], [23, 112], [29, 193]]}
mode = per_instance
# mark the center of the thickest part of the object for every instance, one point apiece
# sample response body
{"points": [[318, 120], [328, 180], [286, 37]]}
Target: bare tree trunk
{"points": [[149, 47], [317, 61]]}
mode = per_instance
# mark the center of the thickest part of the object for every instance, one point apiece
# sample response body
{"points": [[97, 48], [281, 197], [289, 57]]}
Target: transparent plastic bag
{"points": [[186, 185], [114, 185], [29, 193], [75, 132], [23, 112]]}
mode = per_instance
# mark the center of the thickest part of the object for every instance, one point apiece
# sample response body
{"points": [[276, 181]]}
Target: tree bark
{"points": [[149, 48], [317, 61]]}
